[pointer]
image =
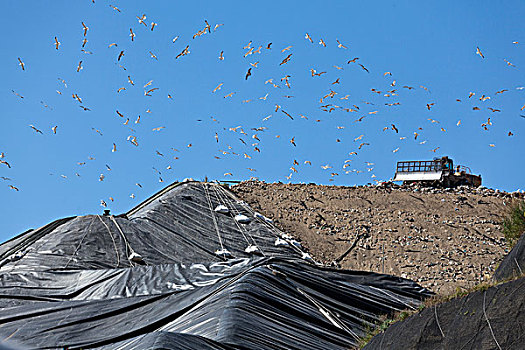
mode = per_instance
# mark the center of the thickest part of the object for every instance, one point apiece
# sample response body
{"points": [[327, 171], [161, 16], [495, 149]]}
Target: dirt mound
{"points": [[486, 319], [441, 238]]}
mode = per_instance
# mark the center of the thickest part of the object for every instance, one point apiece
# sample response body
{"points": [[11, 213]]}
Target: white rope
{"points": [[241, 229], [204, 185], [393, 297], [521, 272], [437, 321], [124, 238], [273, 230], [490, 327], [328, 314], [112, 238], [80, 243]]}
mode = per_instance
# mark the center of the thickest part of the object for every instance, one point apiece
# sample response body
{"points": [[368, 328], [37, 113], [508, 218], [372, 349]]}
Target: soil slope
{"points": [[443, 239]]}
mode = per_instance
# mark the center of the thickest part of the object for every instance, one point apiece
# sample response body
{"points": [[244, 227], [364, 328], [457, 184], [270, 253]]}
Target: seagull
{"points": [[478, 51], [21, 64], [34, 128], [85, 28]]}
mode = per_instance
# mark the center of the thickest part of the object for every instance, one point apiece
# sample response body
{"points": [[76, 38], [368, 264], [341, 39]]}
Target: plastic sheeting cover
{"points": [[72, 283], [513, 265]]}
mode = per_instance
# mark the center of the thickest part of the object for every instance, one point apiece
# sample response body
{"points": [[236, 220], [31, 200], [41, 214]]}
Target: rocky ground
{"points": [[444, 239]]}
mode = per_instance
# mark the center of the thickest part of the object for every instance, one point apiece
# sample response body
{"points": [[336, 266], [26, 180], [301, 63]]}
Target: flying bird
{"points": [[17, 94], [148, 93], [34, 128], [478, 51], [248, 73], [184, 52], [79, 66], [57, 43], [141, 20], [286, 60], [308, 37], [218, 87], [364, 68], [85, 28], [395, 128], [21, 64]]}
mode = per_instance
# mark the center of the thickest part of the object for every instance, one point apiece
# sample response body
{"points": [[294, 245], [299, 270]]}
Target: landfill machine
{"points": [[439, 172]]}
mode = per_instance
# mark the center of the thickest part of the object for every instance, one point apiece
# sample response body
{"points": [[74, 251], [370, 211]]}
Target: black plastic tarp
{"points": [[173, 273], [513, 264], [490, 318]]}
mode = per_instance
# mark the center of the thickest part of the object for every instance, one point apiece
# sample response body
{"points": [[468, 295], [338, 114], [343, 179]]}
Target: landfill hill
{"points": [[444, 239], [192, 267]]}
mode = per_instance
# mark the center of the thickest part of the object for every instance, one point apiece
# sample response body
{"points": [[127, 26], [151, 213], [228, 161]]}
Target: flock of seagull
{"points": [[332, 101]]}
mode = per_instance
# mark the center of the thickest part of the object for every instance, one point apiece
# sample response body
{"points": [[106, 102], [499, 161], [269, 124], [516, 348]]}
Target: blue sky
{"points": [[422, 44]]}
